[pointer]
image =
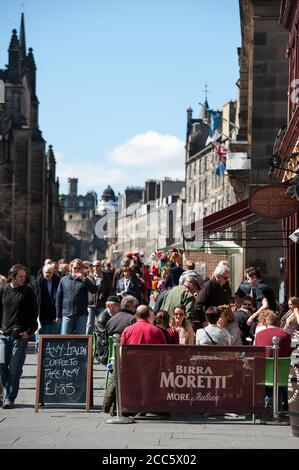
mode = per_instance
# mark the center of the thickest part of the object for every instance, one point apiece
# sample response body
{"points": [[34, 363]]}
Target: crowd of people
{"points": [[145, 304]]}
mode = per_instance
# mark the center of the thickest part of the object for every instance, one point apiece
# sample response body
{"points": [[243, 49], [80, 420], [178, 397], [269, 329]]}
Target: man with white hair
{"points": [[45, 288], [214, 292]]}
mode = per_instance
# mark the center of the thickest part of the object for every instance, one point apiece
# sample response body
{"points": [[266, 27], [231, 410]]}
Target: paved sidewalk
{"points": [[75, 429]]}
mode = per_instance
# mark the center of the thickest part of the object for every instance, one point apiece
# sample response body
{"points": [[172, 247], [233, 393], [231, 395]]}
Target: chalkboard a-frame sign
{"points": [[64, 372]]}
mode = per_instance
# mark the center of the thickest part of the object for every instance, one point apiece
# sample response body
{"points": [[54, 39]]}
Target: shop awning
{"points": [[219, 221]]}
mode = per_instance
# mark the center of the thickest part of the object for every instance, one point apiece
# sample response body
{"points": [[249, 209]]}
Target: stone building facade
{"points": [[149, 218], [206, 192], [31, 221]]}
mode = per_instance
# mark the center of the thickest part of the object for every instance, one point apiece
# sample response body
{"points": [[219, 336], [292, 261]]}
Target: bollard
{"points": [[275, 347], [119, 418]]}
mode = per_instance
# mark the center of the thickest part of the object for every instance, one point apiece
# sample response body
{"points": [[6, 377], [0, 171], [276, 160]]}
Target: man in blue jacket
{"points": [[72, 300]]}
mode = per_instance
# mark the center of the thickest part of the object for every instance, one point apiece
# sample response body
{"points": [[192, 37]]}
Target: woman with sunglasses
{"points": [[180, 325]]}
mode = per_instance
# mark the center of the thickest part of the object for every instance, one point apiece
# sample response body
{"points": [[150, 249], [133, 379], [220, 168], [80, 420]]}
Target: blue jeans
{"points": [[93, 312], [12, 358], [49, 329], [74, 325]]}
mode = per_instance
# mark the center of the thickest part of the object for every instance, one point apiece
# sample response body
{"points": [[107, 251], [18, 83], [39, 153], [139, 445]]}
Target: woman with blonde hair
{"points": [[227, 320], [180, 325]]}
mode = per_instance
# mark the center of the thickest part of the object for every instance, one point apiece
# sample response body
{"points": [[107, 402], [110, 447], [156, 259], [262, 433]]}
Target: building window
{"points": [[189, 196], [194, 198], [194, 170], [190, 171], [205, 188], [206, 163]]}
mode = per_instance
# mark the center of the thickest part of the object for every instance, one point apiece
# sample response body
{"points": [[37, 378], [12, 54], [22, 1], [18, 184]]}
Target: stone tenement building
{"points": [[31, 221], [203, 185], [149, 219]]}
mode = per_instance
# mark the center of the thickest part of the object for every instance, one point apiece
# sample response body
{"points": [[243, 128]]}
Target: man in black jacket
{"points": [[18, 322], [213, 293], [96, 302], [120, 321], [112, 308], [45, 288]]}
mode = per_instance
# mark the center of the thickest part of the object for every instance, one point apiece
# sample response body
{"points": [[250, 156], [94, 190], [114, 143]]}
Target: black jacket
{"points": [[173, 276], [18, 309], [211, 294], [100, 331], [119, 322], [45, 301], [100, 297], [242, 316]]}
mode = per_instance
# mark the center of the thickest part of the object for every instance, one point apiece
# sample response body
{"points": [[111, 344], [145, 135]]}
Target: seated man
{"points": [[112, 308], [212, 334]]}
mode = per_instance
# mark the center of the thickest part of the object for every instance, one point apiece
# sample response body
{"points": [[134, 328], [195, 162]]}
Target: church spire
{"points": [[14, 42], [14, 58], [22, 37]]}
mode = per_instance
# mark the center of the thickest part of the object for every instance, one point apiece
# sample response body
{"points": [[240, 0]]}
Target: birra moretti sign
{"points": [[186, 378], [193, 378]]}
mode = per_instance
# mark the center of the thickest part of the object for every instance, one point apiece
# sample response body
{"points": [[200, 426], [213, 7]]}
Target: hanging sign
{"points": [[273, 202]]}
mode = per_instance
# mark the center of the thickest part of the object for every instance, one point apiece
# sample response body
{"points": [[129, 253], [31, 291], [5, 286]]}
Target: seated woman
{"points": [[290, 321], [227, 320], [180, 325]]}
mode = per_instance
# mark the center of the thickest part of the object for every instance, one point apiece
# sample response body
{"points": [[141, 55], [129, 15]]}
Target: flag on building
{"points": [[221, 160], [214, 128]]}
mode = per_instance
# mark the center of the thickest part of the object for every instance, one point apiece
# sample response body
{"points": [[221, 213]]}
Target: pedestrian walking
{"points": [[46, 288], [97, 301], [72, 300], [18, 320]]}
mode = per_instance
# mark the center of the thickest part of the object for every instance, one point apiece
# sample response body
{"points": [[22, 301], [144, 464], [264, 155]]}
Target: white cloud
{"points": [[145, 156], [145, 150]]}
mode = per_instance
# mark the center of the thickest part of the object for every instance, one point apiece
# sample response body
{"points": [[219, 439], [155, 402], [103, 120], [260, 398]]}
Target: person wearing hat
{"points": [[112, 308]]}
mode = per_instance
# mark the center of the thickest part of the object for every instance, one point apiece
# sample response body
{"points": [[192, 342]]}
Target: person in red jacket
{"points": [[143, 331], [264, 337]]}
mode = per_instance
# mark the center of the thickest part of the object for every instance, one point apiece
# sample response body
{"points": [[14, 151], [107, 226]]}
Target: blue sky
{"points": [[115, 78]]}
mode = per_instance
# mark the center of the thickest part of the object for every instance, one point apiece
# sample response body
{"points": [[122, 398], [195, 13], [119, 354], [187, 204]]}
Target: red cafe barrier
{"points": [[173, 378]]}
